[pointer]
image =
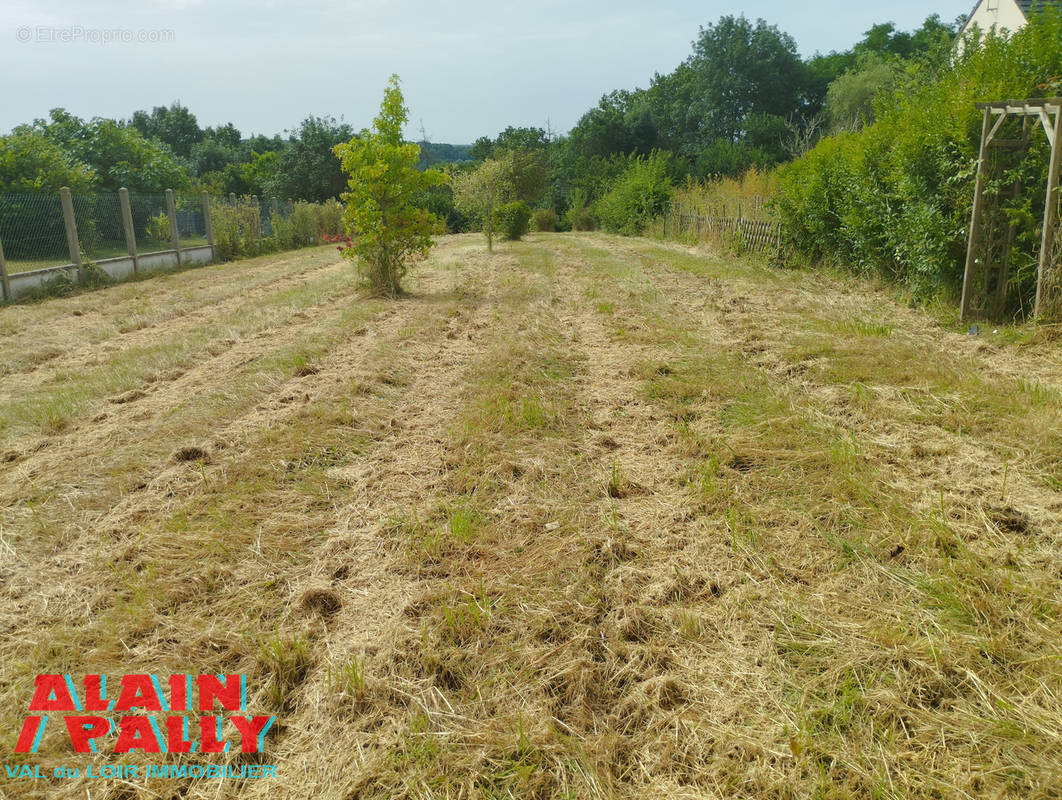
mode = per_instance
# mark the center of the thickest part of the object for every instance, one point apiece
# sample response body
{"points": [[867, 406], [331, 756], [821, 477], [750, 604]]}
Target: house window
{"points": [[993, 5]]}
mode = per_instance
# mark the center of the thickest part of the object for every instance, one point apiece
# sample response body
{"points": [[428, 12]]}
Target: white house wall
{"points": [[1003, 15]]}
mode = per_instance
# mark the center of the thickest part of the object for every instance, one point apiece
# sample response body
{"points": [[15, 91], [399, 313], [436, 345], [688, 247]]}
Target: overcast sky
{"points": [[468, 68]]}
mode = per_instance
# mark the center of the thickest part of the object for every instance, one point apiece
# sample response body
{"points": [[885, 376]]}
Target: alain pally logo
{"points": [[146, 716]]}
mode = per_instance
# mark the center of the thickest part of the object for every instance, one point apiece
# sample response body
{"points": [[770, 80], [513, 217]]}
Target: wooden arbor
{"points": [[988, 250]]}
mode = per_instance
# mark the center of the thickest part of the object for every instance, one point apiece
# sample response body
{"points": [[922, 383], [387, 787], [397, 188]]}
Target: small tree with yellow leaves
{"points": [[385, 214]]}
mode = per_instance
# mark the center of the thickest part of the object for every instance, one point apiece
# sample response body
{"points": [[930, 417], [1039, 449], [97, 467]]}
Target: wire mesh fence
{"points": [[265, 213], [151, 222], [35, 238], [99, 225], [32, 230], [191, 225]]}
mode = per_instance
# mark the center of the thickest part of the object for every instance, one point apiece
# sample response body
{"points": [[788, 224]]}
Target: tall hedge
{"points": [[638, 194], [894, 199]]}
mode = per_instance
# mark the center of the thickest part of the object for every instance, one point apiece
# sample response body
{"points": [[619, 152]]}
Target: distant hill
{"points": [[438, 153]]}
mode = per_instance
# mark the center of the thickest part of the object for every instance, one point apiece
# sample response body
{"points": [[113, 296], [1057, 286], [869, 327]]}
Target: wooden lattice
{"points": [[749, 234], [991, 237]]}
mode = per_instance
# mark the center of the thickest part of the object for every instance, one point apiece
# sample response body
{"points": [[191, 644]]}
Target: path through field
{"points": [[590, 517]]}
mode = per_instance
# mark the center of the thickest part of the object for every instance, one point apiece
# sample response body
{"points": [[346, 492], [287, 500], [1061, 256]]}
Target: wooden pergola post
{"points": [[1046, 274], [975, 219], [1049, 114]]}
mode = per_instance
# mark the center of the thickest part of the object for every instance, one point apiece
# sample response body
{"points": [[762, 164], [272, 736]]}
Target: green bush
{"points": [[304, 224], [329, 218], [158, 229], [638, 194], [580, 216], [894, 199], [283, 237], [237, 229], [512, 220], [545, 219], [311, 222]]}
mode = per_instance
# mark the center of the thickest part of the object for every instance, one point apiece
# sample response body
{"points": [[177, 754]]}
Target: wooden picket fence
{"points": [[762, 236]]}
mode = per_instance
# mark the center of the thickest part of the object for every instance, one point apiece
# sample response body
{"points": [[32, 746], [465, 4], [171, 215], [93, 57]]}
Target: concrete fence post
{"points": [[276, 208], [72, 243], [127, 226], [257, 215], [171, 210], [5, 282], [232, 198], [208, 224]]}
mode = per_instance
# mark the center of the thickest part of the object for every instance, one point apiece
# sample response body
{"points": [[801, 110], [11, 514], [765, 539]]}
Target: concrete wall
{"points": [[118, 268]]}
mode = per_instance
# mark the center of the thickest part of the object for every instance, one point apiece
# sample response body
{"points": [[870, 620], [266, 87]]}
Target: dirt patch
{"points": [[190, 453], [323, 602], [1011, 520]]}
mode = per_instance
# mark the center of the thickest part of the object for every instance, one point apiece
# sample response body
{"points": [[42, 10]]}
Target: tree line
{"points": [[743, 98], [739, 99], [165, 148]]}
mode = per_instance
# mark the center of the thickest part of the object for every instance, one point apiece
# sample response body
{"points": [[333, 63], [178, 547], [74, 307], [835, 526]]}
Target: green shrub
{"points": [[226, 231], [580, 216], [237, 229], [283, 237], [304, 224], [638, 194], [158, 229], [894, 199], [311, 222], [512, 220], [545, 220], [329, 219]]}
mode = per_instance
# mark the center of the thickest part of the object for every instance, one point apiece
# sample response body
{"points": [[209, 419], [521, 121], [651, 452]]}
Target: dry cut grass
{"points": [[590, 518]]}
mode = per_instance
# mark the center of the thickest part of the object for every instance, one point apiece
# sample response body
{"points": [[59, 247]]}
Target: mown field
{"points": [[588, 518]]}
